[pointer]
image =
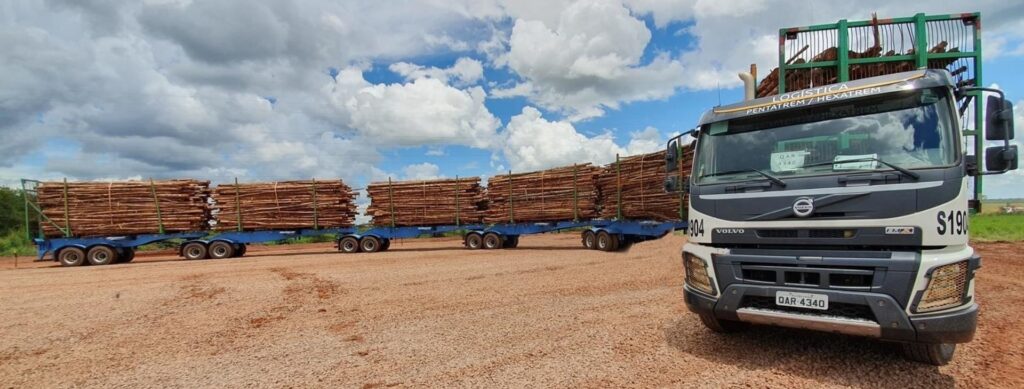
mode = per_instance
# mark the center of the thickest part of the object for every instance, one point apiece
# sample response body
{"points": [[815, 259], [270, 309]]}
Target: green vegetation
{"points": [[997, 227], [13, 239]]}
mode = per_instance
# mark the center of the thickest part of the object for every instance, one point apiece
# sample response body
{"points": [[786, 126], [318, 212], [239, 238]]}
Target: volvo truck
{"points": [[841, 208]]}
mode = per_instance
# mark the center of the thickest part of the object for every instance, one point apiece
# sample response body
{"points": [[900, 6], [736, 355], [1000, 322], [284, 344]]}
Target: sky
{"points": [[366, 90]]}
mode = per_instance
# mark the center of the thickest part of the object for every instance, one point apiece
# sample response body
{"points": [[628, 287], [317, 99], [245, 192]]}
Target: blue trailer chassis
{"points": [[128, 242]]}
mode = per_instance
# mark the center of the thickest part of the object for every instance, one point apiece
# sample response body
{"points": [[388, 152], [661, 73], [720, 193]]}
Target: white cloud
{"points": [[589, 61], [465, 71], [421, 171], [534, 143]]}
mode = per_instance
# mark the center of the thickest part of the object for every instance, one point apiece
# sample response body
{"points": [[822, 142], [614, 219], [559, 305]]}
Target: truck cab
{"points": [[840, 208]]}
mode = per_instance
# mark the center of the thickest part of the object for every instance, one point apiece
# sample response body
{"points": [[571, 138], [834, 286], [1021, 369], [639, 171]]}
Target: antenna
{"points": [[718, 85]]}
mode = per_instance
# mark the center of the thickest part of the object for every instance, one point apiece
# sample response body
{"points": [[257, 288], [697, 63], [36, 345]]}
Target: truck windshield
{"points": [[912, 130]]}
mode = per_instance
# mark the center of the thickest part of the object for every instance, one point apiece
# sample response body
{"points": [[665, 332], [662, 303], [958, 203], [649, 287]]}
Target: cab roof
{"points": [[917, 79]]}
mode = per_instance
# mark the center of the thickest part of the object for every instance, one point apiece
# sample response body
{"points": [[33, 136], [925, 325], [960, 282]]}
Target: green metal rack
{"points": [[844, 51]]}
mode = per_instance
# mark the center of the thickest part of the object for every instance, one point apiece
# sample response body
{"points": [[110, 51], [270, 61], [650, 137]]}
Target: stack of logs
{"points": [[565, 193], [426, 203], [87, 209], [284, 205], [797, 79], [640, 182]]}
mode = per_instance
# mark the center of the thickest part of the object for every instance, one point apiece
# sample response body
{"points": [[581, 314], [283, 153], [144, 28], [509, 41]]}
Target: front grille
{"points": [[819, 233], [839, 277], [855, 311]]}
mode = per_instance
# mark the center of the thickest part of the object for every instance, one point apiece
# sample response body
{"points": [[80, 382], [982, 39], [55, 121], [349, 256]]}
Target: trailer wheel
{"points": [[369, 244], [193, 250], [607, 242], [127, 255], [492, 241], [937, 354], [71, 256], [589, 240], [474, 241], [101, 255], [348, 245], [385, 244], [512, 242], [221, 249], [240, 250]]}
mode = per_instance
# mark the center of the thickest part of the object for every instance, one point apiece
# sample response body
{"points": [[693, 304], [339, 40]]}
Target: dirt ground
{"points": [[428, 313]]}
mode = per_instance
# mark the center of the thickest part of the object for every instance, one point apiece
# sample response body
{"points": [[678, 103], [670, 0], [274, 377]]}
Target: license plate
{"points": [[802, 300]]}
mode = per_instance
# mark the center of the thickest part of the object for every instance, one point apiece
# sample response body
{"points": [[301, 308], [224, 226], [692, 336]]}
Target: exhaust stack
{"points": [[749, 82]]}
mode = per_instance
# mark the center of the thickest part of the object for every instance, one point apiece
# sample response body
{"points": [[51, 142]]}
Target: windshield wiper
{"points": [[895, 167], [770, 177]]}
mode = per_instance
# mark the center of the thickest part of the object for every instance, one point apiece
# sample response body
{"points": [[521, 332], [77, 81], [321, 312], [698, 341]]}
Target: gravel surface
{"points": [[429, 313]]}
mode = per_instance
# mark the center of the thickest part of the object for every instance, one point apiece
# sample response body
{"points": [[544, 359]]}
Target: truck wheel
{"points": [[194, 250], [221, 249], [512, 242], [240, 250], [937, 354], [589, 240], [348, 245], [720, 326], [492, 241], [369, 244], [607, 242], [474, 241], [71, 256], [127, 256], [101, 255], [385, 244]]}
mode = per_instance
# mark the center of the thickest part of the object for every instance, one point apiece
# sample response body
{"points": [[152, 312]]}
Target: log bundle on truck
{"points": [[102, 223]]}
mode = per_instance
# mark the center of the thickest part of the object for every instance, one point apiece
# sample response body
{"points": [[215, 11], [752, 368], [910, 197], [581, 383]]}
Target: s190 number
{"points": [[951, 223]]}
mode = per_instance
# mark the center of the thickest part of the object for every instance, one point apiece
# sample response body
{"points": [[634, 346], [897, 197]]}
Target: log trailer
{"points": [[843, 207]]}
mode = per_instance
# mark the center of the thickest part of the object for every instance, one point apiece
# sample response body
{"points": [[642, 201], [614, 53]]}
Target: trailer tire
{"points": [[512, 242], [348, 245], [71, 256], [474, 241], [369, 244], [492, 241], [607, 242], [101, 255], [589, 240], [194, 250], [240, 250], [127, 256], [385, 244], [936, 354], [720, 326], [221, 249]]}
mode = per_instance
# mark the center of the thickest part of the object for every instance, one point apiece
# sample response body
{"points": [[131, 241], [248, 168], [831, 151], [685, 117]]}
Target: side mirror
{"points": [[998, 119], [673, 184], [1001, 159]]}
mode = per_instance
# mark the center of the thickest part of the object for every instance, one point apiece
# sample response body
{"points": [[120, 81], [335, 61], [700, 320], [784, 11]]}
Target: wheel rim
{"points": [[349, 245], [100, 256], [71, 256], [193, 252], [370, 245], [474, 241], [220, 250]]}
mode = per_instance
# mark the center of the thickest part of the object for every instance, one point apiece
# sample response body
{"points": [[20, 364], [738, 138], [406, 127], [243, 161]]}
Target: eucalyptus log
{"points": [[640, 182], [284, 205], [564, 193], [426, 203]]}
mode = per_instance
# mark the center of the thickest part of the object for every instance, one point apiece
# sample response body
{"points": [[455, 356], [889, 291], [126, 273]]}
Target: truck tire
{"points": [[589, 240], [240, 250], [492, 241], [220, 250], [348, 245], [71, 256], [385, 244], [369, 244], [512, 242], [194, 250], [126, 256], [936, 354], [474, 241], [101, 255], [720, 326], [607, 242]]}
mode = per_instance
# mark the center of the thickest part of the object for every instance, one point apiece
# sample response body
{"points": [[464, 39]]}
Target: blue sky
{"points": [[275, 90]]}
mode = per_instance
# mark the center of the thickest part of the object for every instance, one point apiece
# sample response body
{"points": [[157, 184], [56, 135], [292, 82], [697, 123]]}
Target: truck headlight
{"points": [[946, 288], [697, 274]]}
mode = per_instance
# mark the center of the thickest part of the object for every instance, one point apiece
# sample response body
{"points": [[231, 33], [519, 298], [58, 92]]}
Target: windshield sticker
{"points": [[807, 97], [788, 161], [863, 162]]}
